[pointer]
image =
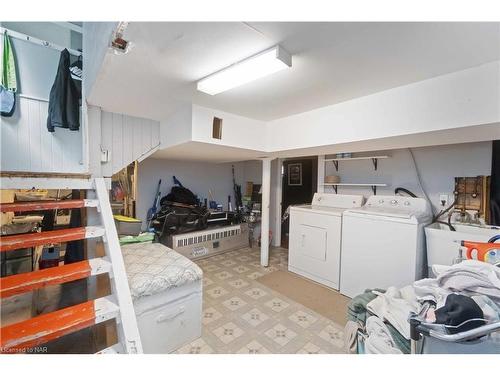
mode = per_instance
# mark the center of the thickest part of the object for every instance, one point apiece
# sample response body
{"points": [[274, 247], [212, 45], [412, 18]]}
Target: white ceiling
{"points": [[207, 152], [332, 62]]}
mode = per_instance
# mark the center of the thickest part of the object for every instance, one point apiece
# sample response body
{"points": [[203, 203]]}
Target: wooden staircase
{"points": [[18, 337]]}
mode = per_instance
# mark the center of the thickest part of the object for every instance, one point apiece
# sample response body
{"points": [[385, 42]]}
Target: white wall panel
{"points": [[118, 144], [107, 141], [27, 145], [137, 134], [126, 138]]}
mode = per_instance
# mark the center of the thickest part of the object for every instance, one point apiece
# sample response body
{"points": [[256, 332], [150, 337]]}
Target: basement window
{"points": [[217, 128]]}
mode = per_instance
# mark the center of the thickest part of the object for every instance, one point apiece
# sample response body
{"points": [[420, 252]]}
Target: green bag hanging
{"points": [[8, 85]]}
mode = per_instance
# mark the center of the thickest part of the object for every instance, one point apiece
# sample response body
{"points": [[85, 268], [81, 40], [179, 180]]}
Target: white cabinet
{"points": [[314, 250]]}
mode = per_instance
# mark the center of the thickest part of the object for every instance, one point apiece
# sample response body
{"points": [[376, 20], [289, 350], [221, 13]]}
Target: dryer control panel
{"points": [[337, 200]]}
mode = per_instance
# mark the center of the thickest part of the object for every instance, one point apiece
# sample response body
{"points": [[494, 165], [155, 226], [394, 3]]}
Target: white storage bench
{"points": [[166, 288]]}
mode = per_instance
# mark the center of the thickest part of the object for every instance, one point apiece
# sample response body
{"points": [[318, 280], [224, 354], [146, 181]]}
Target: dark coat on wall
{"points": [[64, 100]]}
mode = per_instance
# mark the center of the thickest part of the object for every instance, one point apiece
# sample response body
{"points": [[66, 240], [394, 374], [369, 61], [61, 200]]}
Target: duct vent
{"points": [[217, 128]]}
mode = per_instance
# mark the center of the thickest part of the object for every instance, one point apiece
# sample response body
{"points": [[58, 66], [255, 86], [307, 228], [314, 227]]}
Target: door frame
{"points": [[278, 192]]}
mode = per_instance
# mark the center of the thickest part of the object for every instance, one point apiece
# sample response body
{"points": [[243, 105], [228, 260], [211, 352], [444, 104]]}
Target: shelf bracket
{"points": [[374, 189], [336, 164], [375, 163]]}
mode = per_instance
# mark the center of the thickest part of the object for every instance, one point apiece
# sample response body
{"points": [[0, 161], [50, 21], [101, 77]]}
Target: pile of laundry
{"points": [[465, 292]]}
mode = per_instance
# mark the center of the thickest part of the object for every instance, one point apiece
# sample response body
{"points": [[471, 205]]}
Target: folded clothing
{"points": [[379, 340]]}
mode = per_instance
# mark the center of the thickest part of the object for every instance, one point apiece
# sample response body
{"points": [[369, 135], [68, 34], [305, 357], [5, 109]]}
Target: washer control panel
{"points": [[396, 202]]}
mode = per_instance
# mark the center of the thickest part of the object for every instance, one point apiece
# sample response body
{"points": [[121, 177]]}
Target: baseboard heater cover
{"points": [[204, 243]]}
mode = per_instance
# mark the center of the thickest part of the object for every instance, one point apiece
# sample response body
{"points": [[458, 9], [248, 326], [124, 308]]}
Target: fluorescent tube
{"points": [[250, 69]]}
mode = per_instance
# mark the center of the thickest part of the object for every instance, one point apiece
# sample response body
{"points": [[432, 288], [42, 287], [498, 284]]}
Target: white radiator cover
{"points": [[204, 243]]}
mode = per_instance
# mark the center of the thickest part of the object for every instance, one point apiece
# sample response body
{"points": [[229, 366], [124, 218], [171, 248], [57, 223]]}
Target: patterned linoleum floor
{"points": [[240, 315]]}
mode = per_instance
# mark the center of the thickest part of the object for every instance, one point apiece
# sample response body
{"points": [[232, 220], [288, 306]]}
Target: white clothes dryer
{"points": [[315, 237]]}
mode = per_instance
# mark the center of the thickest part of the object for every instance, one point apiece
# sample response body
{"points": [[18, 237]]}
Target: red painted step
{"points": [[25, 282], [21, 241], [47, 205], [18, 337]]}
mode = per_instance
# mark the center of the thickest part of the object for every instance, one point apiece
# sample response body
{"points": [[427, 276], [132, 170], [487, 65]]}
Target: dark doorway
{"points": [[298, 186]]}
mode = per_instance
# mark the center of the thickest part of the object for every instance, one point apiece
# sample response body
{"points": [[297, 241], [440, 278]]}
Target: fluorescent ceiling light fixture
{"points": [[263, 64]]}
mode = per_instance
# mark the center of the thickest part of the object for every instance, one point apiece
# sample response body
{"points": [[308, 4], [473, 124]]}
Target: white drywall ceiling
{"points": [[207, 152], [332, 62]]}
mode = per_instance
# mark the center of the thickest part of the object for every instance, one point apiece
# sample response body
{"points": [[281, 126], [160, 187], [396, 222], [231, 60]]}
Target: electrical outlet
{"points": [[443, 200]]}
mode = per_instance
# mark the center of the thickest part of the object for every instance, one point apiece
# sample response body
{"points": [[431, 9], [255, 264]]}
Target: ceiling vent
{"points": [[217, 128]]}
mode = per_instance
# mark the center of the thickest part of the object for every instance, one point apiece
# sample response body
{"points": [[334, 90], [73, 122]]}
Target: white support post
{"points": [[264, 223], [276, 188], [321, 173]]}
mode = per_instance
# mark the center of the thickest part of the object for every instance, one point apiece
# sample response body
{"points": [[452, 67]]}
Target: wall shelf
{"points": [[373, 186], [373, 158]]}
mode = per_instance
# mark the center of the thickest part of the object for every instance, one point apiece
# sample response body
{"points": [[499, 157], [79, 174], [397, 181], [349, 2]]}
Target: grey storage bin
{"points": [[130, 227]]}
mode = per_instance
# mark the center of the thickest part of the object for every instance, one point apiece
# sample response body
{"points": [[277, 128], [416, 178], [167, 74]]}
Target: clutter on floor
{"points": [[142, 237], [195, 228]]}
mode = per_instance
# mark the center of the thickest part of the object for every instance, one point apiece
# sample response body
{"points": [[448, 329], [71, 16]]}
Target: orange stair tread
{"points": [[43, 328], [25, 282], [20, 241], [41, 205]]}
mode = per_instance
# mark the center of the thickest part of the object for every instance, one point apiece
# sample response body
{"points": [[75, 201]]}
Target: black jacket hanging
{"points": [[64, 106]]}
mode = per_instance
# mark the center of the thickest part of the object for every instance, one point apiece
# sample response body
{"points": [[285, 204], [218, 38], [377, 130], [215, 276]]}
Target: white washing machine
{"points": [[315, 237], [383, 244]]}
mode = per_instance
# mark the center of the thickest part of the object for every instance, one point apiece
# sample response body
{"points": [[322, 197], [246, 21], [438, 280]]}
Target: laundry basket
{"points": [[429, 338]]}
